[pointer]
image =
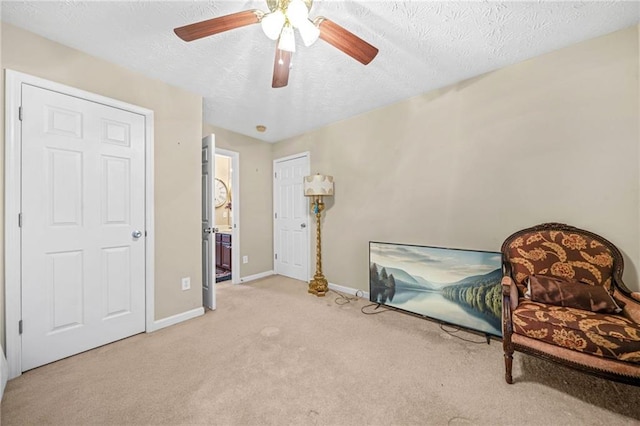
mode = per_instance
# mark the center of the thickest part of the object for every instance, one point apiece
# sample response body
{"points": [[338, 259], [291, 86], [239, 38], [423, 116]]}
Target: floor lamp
{"points": [[318, 186]]}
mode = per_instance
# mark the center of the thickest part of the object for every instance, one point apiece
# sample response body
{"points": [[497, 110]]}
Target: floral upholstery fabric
{"points": [[605, 335], [561, 254]]}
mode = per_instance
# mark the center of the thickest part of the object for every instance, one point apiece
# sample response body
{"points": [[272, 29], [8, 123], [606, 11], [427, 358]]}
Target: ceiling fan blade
{"points": [[281, 68], [217, 25], [346, 41]]}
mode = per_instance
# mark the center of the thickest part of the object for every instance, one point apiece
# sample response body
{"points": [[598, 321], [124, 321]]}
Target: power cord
{"points": [[450, 332], [455, 330], [377, 305], [343, 299]]}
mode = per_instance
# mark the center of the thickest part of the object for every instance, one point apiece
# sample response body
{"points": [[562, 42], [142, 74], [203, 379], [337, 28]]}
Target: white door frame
{"points": [[13, 195], [306, 155], [235, 213]]}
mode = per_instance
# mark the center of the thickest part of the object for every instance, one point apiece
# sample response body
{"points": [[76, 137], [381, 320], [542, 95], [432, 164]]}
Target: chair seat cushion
{"points": [[606, 335]]}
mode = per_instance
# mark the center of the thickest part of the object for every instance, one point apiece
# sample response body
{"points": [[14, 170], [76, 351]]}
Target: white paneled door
{"points": [[291, 218], [83, 225]]}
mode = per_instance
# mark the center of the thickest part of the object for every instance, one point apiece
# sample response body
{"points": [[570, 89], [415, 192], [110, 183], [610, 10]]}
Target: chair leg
{"points": [[508, 361]]}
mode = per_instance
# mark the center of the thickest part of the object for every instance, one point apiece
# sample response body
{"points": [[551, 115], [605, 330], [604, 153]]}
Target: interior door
{"points": [[291, 218], [83, 226], [208, 222]]}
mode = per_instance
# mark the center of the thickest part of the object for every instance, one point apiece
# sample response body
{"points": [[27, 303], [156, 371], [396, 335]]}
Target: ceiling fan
{"points": [[278, 24]]}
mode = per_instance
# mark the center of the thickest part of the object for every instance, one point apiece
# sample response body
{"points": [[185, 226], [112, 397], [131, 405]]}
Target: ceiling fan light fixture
{"points": [[309, 32], [297, 13], [287, 39], [272, 24]]}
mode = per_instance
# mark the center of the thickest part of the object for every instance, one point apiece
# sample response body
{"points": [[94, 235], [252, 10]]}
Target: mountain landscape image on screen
{"points": [[473, 301]]}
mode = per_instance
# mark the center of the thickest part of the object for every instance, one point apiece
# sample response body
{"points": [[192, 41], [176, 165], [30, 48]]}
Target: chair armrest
{"points": [[509, 303], [510, 292], [506, 285], [620, 285], [631, 309]]}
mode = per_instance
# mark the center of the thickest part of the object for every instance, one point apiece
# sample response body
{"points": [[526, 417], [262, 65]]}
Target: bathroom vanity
{"points": [[223, 250]]}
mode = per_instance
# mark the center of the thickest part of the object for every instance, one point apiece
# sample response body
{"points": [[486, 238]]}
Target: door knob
{"points": [[136, 234], [304, 225]]}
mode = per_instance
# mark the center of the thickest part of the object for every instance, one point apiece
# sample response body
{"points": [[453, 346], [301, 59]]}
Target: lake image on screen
{"points": [[459, 287]]}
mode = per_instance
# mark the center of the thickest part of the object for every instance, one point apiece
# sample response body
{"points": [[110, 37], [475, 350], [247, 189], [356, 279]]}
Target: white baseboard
{"points": [[342, 289], [4, 372], [175, 319], [348, 290], [256, 276]]}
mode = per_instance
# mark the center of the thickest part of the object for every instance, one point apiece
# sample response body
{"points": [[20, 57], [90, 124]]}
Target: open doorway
{"points": [[223, 202], [226, 203]]}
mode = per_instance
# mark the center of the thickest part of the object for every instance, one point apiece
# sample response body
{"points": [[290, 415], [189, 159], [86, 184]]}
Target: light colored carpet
{"points": [[273, 354]]}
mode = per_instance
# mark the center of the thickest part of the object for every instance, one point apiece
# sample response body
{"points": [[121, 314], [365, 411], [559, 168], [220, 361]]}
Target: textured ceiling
{"points": [[424, 45]]}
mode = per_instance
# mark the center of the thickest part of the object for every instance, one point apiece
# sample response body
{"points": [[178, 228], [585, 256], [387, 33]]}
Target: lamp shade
{"points": [[272, 24], [297, 12], [287, 39], [309, 32], [315, 185]]}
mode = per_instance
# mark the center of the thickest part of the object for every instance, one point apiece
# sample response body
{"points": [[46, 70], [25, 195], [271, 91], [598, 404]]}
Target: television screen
{"points": [[460, 287]]}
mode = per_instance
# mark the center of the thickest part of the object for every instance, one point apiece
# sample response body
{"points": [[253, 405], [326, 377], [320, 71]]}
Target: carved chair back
{"points": [[563, 251]]}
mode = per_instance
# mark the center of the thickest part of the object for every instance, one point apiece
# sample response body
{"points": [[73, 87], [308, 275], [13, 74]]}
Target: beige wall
{"points": [[256, 200], [554, 138], [223, 172], [178, 126], [2, 330]]}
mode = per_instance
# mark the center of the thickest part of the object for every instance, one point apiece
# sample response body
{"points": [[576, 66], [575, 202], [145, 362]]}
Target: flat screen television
{"points": [[455, 286]]}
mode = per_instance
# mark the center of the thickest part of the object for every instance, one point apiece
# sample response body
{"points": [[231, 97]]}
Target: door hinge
{"points": [[20, 113], [20, 327], [275, 175], [276, 256], [19, 220], [276, 215]]}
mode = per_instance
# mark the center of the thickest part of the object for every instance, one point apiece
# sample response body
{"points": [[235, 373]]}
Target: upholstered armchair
{"points": [[564, 301]]}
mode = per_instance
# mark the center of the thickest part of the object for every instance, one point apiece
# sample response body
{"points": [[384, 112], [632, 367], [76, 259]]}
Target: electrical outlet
{"points": [[186, 283], [245, 259]]}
